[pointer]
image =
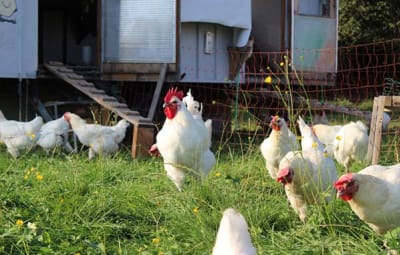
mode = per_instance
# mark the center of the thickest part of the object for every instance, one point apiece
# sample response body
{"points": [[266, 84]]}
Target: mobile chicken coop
{"points": [[156, 41]]}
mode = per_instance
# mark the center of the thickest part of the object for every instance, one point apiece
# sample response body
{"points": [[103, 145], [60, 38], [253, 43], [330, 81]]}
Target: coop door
{"points": [[314, 35]]}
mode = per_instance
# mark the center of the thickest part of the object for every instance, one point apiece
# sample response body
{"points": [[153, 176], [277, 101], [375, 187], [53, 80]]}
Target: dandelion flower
{"points": [[19, 223], [281, 63], [325, 154], [156, 240], [196, 210], [218, 174], [160, 253], [338, 138], [268, 79], [314, 145], [39, 177]]}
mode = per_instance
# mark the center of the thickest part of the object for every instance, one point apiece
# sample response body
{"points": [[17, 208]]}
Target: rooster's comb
{"points": [[173, 92], [343, 179]]}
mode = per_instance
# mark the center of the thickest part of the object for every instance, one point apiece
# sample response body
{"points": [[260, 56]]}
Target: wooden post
{"points": [[375, 136], [142, 140]]}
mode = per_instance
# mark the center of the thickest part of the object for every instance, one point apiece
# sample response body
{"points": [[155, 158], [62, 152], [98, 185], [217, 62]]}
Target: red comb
{"points": [[344, 178], [173, 92], [283, 172]]}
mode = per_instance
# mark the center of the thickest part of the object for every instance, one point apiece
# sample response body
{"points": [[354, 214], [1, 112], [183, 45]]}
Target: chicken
{"points": [[196, 109], [327, 135], [102, 140], [307, 174], [351, 144], [374, 195], [183, 142], [306, 180], [279, 142], [19, 136], [55, 134], [233, 237]]}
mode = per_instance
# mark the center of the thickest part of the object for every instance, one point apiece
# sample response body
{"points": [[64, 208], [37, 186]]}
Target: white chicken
{"points": [[19, 136], [183, 142], [374, 195], [279, 142], [54, 134], [233, 237], [196, 109], [306, 182], [327, 135], [351, 144], [102, 140], [307, 174]]}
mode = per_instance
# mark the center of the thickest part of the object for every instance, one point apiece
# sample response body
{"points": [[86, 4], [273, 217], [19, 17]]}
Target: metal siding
{"points": [[139, 31], [19, 42]]}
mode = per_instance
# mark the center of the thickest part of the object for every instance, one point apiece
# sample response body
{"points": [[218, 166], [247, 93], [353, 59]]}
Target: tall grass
{"points": [[121, 205]]}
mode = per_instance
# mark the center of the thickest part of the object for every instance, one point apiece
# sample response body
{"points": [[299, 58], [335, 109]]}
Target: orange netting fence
{"points": [[363, 72]]}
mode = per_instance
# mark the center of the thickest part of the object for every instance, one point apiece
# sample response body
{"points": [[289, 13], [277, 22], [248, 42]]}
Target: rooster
{"points": [[279, 142], [374, 195], [351, 144], [103, 140], [233, 237], [54, 134], [19, 136], [183, 142]]}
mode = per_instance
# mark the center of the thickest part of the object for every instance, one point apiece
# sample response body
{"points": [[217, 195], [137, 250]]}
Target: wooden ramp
{"points": [[143, 128]]}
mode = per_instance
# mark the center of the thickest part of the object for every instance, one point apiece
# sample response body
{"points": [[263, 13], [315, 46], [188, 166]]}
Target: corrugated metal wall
{"points": [[139, 31]]}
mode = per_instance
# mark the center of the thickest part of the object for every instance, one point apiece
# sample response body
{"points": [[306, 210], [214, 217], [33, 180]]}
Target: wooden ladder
{"points": [[143, 127]]}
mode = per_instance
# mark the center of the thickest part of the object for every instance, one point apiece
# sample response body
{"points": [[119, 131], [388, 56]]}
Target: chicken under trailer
{"points": [[143, 128]]}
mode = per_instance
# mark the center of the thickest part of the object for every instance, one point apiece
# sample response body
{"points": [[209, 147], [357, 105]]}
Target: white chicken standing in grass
{"points": [[327, 135], [54, 134], [374, 195], [102, 140], [183, 142], [307, 175], [19, 135], [279, 142], [233, 236], [351, 144]]}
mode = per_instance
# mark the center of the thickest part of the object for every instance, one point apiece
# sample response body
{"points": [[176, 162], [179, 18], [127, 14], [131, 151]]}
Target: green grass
{"points": [[121, 205]]}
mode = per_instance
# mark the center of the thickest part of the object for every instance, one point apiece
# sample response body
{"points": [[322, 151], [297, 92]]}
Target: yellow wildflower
{"points": [[19, 223], [214, 102], [314, 145], [268, 79], [325, 154], [62, 200], [156, 240], [338, 138], [160, 253], [281, 63], [218, 174], [39, 177], [196, 210]]}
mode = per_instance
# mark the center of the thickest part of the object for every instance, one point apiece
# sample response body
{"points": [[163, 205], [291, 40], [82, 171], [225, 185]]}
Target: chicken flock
{"points": [[305, 165], [20, 136]]}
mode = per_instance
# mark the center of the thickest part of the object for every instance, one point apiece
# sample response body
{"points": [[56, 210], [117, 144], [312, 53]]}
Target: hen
{"points": [[183, 142], [327, 135], [102, 140], [54, 134], [233, 237], [19, 136], [279, 142], [307, 174], [351, 144], [305, 181], [196, 109], [374, 195]]}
